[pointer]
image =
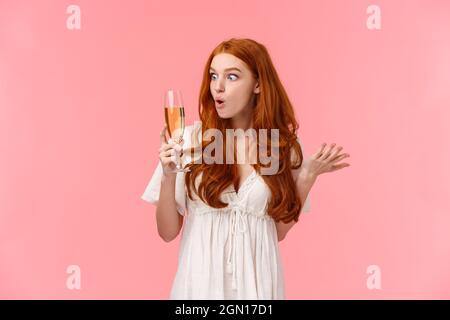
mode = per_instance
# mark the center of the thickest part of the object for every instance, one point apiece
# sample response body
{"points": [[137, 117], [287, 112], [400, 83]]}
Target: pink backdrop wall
{"points": [[81, 110]]}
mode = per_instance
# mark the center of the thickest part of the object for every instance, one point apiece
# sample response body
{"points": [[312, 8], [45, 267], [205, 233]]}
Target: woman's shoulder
{"points": [[196, 125]]}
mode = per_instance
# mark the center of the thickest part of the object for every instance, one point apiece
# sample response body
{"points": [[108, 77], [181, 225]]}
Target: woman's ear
{"points": [[257, 89]]}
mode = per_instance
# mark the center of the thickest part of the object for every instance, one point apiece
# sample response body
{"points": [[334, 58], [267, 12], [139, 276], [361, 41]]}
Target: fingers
{"points": [[339, 166], [170, 153], [167, 153], [178, 148], [168, 162], [166, 146], [328, 151], [171, 145], [341, 156], [167, 157], [162, 135], [331, 153], [319, 152], [335, 157], [335, 153]]}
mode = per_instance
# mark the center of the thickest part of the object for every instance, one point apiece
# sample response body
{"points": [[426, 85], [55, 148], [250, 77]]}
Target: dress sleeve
{"points": [[307, 205], [151, 192]]}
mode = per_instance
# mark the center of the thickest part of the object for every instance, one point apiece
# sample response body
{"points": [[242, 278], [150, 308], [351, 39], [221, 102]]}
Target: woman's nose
{"points": [[218, 86]]}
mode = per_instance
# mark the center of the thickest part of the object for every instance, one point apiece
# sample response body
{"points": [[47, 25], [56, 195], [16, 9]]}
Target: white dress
{"points": [[227, 253]]}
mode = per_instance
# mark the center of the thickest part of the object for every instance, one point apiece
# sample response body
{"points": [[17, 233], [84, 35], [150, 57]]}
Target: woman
{"points": [[235, 215]]}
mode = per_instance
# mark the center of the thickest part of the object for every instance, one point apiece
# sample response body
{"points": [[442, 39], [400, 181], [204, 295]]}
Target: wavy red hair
{"points": [[272, 110]]}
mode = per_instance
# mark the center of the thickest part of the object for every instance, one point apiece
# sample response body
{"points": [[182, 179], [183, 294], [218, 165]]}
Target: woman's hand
{"points": [[169, 152], [325, 160]]}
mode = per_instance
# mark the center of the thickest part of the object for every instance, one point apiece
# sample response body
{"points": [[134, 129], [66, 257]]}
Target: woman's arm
{"points": [[304, 182], [168, 220], [324, 160]]}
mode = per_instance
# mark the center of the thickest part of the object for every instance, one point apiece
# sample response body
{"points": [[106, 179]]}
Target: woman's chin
{"points": [[222, 114]]}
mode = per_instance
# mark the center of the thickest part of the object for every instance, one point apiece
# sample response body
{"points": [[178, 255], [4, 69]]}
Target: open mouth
{"points": [[219, 103]]}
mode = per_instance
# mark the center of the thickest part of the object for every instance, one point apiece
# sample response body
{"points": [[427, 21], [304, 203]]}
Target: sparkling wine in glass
{"points": [[175, 120]]}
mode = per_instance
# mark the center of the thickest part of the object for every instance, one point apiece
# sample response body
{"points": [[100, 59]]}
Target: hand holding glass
{"points": [[175, 121]]}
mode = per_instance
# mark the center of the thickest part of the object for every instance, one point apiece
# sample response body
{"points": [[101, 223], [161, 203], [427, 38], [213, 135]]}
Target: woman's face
{"points": [[232, 83]]}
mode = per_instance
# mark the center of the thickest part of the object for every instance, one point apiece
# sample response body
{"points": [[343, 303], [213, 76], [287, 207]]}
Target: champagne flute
{"points": [[175, 121]]}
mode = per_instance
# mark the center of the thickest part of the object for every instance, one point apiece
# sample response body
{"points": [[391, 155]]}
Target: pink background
{"points": [[80, 113]]}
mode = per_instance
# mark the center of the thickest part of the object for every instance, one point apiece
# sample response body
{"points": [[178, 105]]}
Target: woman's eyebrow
{"points": [[227, 69]]}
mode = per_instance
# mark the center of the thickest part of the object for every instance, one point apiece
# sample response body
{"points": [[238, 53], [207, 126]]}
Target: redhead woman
{"points": [[231, 216]]}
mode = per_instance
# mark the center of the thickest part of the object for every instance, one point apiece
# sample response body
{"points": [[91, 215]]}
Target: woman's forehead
{"points": [[224, 61]]}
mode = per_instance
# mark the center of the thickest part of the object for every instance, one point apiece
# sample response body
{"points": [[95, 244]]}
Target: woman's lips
{"points": [[220, 105]]}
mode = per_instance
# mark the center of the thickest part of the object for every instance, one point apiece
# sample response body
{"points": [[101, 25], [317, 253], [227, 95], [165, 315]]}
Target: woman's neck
{"points": [[243, 120]]}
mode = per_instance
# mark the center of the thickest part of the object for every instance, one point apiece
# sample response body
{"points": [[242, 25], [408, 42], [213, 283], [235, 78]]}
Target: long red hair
{"points": [[272, 110]]}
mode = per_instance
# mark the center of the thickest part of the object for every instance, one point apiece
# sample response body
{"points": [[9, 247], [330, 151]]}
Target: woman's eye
{"points": [[230, 75]]}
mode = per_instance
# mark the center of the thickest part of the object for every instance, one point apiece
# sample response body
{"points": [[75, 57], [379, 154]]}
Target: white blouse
{"points": [[227, 253]]}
